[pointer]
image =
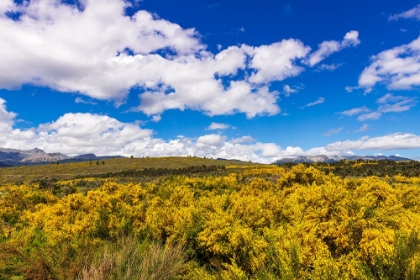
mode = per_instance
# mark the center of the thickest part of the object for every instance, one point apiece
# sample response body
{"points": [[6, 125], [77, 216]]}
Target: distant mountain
{"points": [[22, 157], [86, 157], [13, 157], [331, 159]]}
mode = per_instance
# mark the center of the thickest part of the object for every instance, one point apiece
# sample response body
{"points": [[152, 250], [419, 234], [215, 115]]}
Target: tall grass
{"points": [[133, 260]]}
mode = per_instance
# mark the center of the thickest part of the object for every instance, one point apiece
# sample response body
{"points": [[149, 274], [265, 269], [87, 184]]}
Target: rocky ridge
{"points": [[13, 157], [331, 159]]}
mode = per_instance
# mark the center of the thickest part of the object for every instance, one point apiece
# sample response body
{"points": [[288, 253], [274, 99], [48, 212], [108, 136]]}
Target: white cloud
{"points": [[355, 111], [216, 126], [156, 118], [382, 143], [369, 116], [59, 46], [364, 127], [329, 67], [78, 133], [412, 13], [351, 39], [287, 90], [100, 52], [387, 104], [5, 116], [243, 139], [212, 140], [397, 68], [318, 101], [82, 101], [326, 48], [392, 103], [333, 131], [275, 62]]}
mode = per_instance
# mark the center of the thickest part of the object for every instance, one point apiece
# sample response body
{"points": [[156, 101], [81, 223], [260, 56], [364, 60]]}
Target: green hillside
{"points": [[101, 167]]}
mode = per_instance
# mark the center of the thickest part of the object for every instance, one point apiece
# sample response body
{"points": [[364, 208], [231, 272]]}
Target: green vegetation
{"points": [[205, 221], [360, 168], [118, 165]]}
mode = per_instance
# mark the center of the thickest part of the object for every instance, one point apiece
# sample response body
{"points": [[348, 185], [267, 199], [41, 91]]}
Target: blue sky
{"points": [[251, 80]]}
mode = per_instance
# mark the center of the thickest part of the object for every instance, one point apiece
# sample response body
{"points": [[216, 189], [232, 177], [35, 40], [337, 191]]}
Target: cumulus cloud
{"points": [[100, 52], [216, 126], [398, 68], [412, 13], [326, 48], [243, 139], [275, 62], [60, 46], [333, 131], [318, 101], [77, 133]]}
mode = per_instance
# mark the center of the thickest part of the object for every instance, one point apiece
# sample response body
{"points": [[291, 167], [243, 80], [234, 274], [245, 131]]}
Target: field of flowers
{"points": [[243, 222]]}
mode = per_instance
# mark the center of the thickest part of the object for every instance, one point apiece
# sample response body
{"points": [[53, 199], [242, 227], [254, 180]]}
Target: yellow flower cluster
{"points": [[260, 222]]}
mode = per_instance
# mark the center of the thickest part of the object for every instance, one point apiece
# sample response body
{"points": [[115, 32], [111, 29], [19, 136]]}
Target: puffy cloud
{"points": [[412, 13], [6, 117], [60, 46], [318, 101], [326, 48], [215, 126], [351, 39], [239, 97], [398, 68], [275, 62], [212, 140], [243, 139], [99, 51], [78, 133], [333, 131], [382, 143]]}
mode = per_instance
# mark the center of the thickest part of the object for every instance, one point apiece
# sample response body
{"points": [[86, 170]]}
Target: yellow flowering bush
{"points": [[261, 222]]}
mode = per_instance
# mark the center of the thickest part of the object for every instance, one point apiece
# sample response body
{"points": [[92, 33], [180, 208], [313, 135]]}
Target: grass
{"points": [[130, 260], [70, 170]]}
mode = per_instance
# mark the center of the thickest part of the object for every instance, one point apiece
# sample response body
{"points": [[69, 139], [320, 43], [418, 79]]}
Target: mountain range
{"points": [[13, 157], [331, 159]]}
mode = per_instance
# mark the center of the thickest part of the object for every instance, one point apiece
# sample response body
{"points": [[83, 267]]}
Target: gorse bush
{"points": [[260, 222]]}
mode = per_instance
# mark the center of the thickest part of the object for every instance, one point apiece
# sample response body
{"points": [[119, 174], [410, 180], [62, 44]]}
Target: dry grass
{"points": [[130, 260], [69, 170]]}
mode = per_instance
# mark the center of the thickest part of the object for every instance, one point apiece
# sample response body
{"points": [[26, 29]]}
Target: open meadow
{"points": [[194, 218]]}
